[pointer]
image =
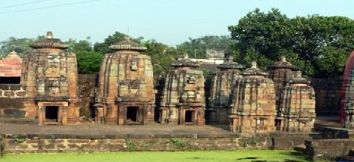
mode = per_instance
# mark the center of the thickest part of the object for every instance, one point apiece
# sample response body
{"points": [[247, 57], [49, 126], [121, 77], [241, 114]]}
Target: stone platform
{"points": [[88, 129], [88, 137]]}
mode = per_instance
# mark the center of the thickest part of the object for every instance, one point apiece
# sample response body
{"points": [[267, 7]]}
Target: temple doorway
{"points": [[189, 116], [51, 114], [132, 114]]}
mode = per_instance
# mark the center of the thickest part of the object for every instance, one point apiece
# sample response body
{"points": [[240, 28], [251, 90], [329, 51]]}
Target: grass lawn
{"points": [[203, 156]]}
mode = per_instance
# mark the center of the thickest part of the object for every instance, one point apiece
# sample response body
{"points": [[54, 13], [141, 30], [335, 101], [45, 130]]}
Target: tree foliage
{"points": [[319, 45], [20, 45], [111, 39], [196, 48], [161, 55], [88, 61]]}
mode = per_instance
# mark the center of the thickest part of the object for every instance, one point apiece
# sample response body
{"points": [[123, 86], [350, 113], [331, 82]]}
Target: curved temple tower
{"points": [[182, 101], [297, 107], [281, 72], [253, 109], [347, 109], [50, 75], [126, 89], [218, 109]]}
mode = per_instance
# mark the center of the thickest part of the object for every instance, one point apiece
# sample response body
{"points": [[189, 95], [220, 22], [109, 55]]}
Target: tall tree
{"points": [[317, 44], [20, 45], [111, 39], [197, 47], [161, 55]]}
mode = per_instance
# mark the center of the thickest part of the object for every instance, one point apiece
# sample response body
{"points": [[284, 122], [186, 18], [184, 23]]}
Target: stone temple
{"points": [[182, 100], [253, 105], [219, 101], [347, 110], [12, 93], [49, 74], [297, 106], [280, 72], [126, 87]]}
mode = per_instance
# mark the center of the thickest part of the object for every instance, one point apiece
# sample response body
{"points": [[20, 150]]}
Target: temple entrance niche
{"points": [[189, 117], [132, 114], [51, 114]]}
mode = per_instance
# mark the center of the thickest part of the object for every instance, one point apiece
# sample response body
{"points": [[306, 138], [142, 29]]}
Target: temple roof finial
{"points": [[254, 64], [283, 59], [49, 35]]}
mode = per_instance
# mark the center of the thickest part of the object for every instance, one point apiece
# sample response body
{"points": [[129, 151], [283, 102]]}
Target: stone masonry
{"points": [[297, 107], [12, 92], [49, 73], [280, 72], [182, 100], [126, 89], [218, 109], [253, 107]]}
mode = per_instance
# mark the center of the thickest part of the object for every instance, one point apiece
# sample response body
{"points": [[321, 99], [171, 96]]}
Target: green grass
{"points": [[203, 156]]}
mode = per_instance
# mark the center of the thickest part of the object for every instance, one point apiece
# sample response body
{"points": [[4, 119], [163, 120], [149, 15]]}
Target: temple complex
{"points": [[126, 89], [182, 100], [219, 100], [297, 107], [50, 76], [253, 107]]}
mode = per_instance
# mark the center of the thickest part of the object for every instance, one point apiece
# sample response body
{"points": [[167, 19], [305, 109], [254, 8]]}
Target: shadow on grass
{"points": [[247, 158], [296, 154]]}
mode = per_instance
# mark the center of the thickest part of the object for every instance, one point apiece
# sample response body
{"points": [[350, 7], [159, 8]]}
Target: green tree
{"points": [[111, 39], [20, 45], [197, 47], [313, 43], [88, 62], [161, 55]]}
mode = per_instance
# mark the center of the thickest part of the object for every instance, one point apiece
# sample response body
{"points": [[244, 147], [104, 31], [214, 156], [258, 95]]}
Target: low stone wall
{"points": [[81, 143], [289, 140], [328, 148], [62, 143]]}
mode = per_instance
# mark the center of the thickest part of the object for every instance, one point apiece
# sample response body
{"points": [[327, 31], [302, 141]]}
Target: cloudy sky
{"points": [[168, 21]]}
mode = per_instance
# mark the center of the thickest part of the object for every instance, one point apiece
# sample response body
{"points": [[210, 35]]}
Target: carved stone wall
{"points": [[219, 100], [182, 100], [253, 109], [50, 75], [297, 107], [126, 89]]}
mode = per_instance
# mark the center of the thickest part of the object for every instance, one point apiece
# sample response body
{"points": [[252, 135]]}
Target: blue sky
{"points": [[168, 21]]}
